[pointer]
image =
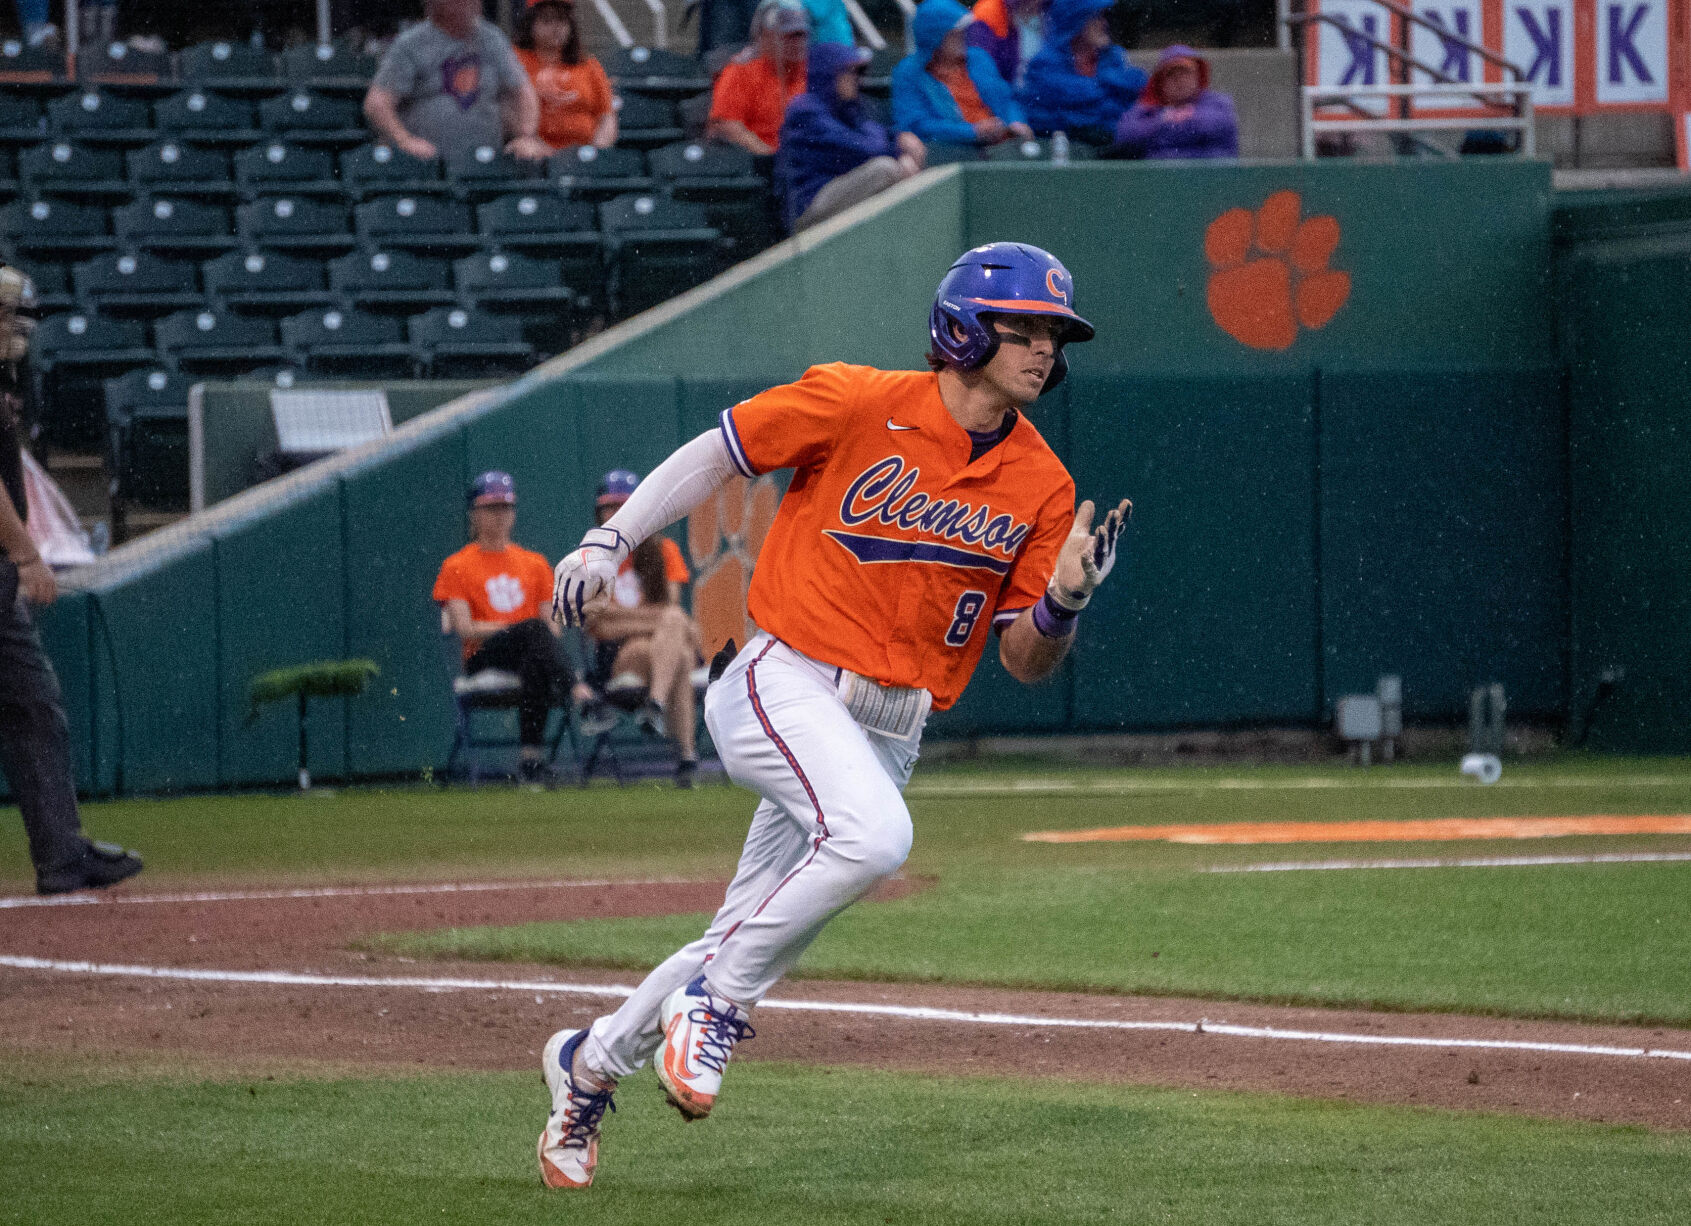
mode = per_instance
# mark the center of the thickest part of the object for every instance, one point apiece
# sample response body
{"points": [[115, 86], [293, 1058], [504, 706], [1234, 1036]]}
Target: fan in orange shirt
{"points": [[577, 106], [749, 100], [645, 639]]}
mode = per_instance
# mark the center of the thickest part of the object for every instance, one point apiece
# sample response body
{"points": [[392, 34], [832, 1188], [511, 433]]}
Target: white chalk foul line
{"points": [[1299, 866], [1034, 785], [906, 1012], [91, 899]]}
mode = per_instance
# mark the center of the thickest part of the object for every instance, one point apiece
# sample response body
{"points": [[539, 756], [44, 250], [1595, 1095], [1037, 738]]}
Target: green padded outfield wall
{"points": [[1313, 420]]}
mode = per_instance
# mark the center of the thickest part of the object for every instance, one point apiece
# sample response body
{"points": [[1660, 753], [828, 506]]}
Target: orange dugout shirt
{"points": [[573, 98], [892, 554], [751, 92], [506, 585]]}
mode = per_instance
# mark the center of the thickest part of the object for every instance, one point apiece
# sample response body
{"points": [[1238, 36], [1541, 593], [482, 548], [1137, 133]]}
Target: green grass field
{"points": [[93, 1141]]}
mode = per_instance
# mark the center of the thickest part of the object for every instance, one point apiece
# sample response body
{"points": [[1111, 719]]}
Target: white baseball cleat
{"points": [[699, 1034], [569, 1146]]}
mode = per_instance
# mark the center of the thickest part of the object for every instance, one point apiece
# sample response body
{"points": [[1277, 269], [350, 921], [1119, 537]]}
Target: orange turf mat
{"points": [[1434, 830]]}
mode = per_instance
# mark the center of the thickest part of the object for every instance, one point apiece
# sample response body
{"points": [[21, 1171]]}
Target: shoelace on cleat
{"points": [[718, 1034], [587, 1109]]}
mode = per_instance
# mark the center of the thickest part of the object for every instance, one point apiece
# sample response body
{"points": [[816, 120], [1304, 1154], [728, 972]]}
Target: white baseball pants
{"points": [[832, 824]]}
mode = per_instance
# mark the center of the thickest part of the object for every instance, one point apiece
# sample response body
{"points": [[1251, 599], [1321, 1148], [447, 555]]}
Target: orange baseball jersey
{"points": [[892, 553], [507, 585], [627, 587]]}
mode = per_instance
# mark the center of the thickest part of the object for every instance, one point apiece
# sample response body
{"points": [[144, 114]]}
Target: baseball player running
{"points": [[924, 507]]}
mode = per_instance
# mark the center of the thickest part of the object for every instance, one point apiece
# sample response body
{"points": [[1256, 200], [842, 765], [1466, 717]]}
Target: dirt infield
{"points": [[488, 1027]]}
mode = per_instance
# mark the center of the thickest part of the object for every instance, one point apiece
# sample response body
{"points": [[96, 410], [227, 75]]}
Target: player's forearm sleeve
{"points": [[694, 472]]}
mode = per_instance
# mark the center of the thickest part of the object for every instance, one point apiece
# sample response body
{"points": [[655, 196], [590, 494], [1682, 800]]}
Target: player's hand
{"points": [[586, 573], [1088, 556]]}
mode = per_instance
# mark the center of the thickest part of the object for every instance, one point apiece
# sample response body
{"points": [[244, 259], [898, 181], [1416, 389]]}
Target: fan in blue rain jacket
{"points": [[1059, 95], [923, 104], [823, 136]]}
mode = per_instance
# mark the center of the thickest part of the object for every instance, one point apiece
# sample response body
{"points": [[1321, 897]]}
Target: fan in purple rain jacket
{"points": [[948, 91], [833, 154], [1179, 115], [1080, 82]]}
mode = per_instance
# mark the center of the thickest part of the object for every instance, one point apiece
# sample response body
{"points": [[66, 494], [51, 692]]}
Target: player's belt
{"points": [[896, 711]]}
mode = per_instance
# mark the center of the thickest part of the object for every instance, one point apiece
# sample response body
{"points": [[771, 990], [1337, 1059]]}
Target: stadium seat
{"points": [[379, 280], [657, 249], [338, 341], [182, 170], [653, 71], [167, 226], [211, 341], [147, 441], [265, 281], [74, 172], [331, 67], [234, 67], [484, 172], [941, 153], [135, 283], [117, 63], [27, 68], [8, 174], [591, 174], [504, 279], [417, 223], [646, 123], [204, 118], [292, 223], [71, 354], [314, 119], [460, 343], [724, 179], [100, 118], [54, 229], [373, 169], [22, 120], [877, 74], [565, 231], [51, 281], [276, 166]]}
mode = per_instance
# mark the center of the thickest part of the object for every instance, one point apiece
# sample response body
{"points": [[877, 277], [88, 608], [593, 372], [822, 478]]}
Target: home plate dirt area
{"points": [[111, 973]]}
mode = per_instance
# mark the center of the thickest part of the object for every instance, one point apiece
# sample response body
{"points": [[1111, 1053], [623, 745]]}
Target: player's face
{"points": [[495, 520], [1027, 349]]}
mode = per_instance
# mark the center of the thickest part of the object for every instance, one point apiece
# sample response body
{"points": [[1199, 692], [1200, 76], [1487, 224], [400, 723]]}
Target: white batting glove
{"points": [[586, 573], [1087, 557]]}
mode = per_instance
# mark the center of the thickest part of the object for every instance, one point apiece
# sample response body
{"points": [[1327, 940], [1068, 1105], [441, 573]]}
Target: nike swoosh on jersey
{"points": [[891, 549], [892, 425]]}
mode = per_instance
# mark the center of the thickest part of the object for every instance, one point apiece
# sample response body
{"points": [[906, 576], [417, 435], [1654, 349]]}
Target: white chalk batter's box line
{"points": [[1302, 866], [327, 891], [541, 988]]}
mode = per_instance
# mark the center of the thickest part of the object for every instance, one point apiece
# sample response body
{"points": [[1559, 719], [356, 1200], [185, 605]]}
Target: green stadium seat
{"points": [[30, 69], [387, 280], [650, 70], [265, 281], [71, 355], [22, 120], [147, 441], [180, 227], [75, 172], [201, 117], [8, 174], [181, 169], [461, 343], [595, 175], [100, 118], [85, 338], [232, 67], [339, 341], [330, 67], [417, 223], [294, 223], [212, 341], [277, 166], [117, 63], [504, 279], [543, 224], [877, 73], [645, 123], [723, 178], [135, 283], [374, 169], [484, 172], [51, 281], [54, 229], [657, 248], [309, 118]]}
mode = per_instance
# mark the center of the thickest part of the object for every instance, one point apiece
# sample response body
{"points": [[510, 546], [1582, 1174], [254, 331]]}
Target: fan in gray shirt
{"points": [[452, 84]]}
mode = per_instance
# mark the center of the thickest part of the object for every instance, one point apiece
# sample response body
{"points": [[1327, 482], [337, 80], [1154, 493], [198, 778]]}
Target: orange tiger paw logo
{"points": [[1269, 272], [724, 536]]}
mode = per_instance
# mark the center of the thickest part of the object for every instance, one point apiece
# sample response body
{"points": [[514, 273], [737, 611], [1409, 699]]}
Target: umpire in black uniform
{"points": [[34, 736]]}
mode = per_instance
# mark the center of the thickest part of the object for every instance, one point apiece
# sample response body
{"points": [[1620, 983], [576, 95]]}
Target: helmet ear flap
{"points": [[1059, 371]]}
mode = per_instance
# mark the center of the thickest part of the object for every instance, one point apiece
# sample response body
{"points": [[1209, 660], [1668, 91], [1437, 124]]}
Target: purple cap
{"points": [[493, 489]]}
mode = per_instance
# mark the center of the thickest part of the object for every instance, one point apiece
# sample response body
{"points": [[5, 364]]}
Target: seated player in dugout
{"points": [[643, 636], [495, 594]]}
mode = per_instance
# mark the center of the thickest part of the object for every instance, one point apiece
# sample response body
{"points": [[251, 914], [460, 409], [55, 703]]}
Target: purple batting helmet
{"points": [[1001, 279], [615, 488]]}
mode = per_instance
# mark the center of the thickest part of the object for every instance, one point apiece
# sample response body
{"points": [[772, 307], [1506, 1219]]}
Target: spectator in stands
{"points": [[32, 20], [834, 154], [750, 97], [948, 91], [1011, 32], [452, 84], [576, 103], [34, 734], [498, 599], [1179, 115], [829, 22], [1080, 82], [642, 635]]}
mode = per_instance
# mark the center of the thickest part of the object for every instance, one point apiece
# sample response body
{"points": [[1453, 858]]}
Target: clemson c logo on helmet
{"points": [[1052, 284]]}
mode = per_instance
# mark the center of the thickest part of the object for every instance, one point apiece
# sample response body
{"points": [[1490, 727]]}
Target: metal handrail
{"points": [[1445, 34], [1403, 58], [613, 23], [660, 24], [865, 27], [1521, 120]]}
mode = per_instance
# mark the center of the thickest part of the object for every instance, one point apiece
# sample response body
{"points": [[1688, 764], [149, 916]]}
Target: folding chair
{"points": [[265, 282], [136, 283], [490, 689]]}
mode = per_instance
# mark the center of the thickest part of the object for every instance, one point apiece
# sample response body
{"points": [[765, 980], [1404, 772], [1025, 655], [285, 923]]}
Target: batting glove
{"points": [[587, 573], [1087, 557]]}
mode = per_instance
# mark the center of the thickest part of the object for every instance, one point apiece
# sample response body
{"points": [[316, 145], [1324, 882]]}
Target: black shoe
{"points": [[536, 770], [100, 865], [684, 772]]}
